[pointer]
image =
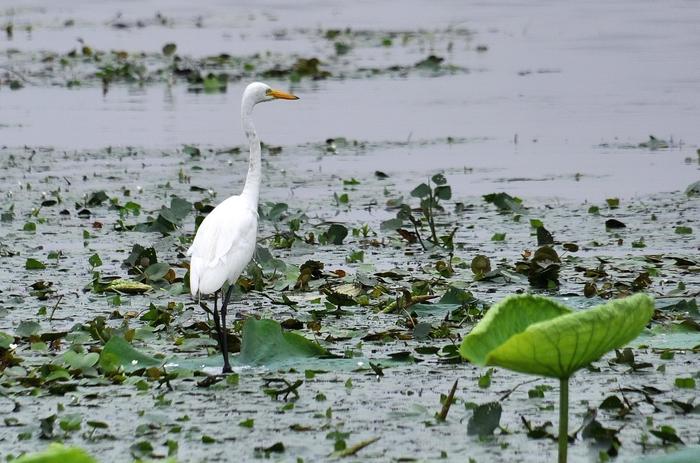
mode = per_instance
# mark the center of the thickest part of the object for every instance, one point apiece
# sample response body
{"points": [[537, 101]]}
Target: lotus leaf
{"points": [[536, 335]]}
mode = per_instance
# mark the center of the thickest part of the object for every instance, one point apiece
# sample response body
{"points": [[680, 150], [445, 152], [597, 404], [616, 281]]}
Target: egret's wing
{"points": [[231, 225], [225, 227]]}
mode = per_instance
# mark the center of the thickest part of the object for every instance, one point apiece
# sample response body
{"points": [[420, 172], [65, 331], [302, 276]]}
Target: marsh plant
{"points": [[539, 336], [431, 196]]}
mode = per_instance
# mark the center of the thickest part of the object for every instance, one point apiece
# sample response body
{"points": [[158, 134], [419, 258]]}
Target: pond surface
{"points": [[552, 103], [560, 90]]}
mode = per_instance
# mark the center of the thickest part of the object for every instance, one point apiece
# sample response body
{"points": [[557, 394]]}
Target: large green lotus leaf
{"points": [[681, 456], [671, 336], [264, 343], [6, 340], [427, 310], [57, 453], [505, 319], [536, 335], [118, 351]]}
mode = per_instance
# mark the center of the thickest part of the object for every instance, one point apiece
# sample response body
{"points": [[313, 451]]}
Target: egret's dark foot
{"points": [[223, 341], [224, 331]]}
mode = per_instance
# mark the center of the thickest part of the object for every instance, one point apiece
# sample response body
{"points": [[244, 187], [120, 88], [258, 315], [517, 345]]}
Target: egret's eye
{"points": [[268, 92]]}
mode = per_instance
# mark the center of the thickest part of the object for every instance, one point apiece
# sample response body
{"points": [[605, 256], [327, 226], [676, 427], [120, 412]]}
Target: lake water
{"points": [[578, 86]]}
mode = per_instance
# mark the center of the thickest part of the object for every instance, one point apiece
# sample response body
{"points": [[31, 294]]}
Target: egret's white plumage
{"points": [[224, 245], [225, 241]]}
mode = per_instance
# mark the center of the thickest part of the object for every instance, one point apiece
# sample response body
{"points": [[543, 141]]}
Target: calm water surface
{"points": [[557, 82]]}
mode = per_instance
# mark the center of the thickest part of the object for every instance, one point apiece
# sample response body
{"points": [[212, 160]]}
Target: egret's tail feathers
{"points": [[203, 279], [195, 271]]}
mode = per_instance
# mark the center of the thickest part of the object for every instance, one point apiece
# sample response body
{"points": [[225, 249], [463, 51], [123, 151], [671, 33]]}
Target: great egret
{"points": [[225, 241]]}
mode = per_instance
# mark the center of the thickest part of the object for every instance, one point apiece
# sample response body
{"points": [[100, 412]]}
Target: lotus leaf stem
{"points": [[563, 419]]}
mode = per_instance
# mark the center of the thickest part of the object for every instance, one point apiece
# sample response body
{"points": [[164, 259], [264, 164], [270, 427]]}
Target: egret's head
{"points": [[257, 92]]}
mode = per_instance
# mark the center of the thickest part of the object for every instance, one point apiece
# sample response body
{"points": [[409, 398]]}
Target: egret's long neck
{"points": [[252, 181]]}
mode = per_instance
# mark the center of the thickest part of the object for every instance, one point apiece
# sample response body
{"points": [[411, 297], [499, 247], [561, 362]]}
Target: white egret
{"points": [[225, 241]]}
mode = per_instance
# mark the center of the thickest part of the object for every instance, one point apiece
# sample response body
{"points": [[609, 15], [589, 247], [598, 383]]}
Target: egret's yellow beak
{"points": [[282, 95]]}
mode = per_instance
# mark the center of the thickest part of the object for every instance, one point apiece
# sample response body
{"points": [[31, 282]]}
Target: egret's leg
{"points": [[217, 322], [224, 332]]}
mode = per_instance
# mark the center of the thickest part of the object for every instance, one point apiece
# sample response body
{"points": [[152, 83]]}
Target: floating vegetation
{"points": [[105, 312], [86, 65]]}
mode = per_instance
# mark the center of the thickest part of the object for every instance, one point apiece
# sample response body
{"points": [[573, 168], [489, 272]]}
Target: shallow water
{"points": [[595, 74], [607, 163]]}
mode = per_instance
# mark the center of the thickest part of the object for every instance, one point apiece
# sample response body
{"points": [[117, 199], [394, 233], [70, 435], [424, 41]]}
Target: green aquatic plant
{"points": [[56, 453], [431, 198], [536, 335]]}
